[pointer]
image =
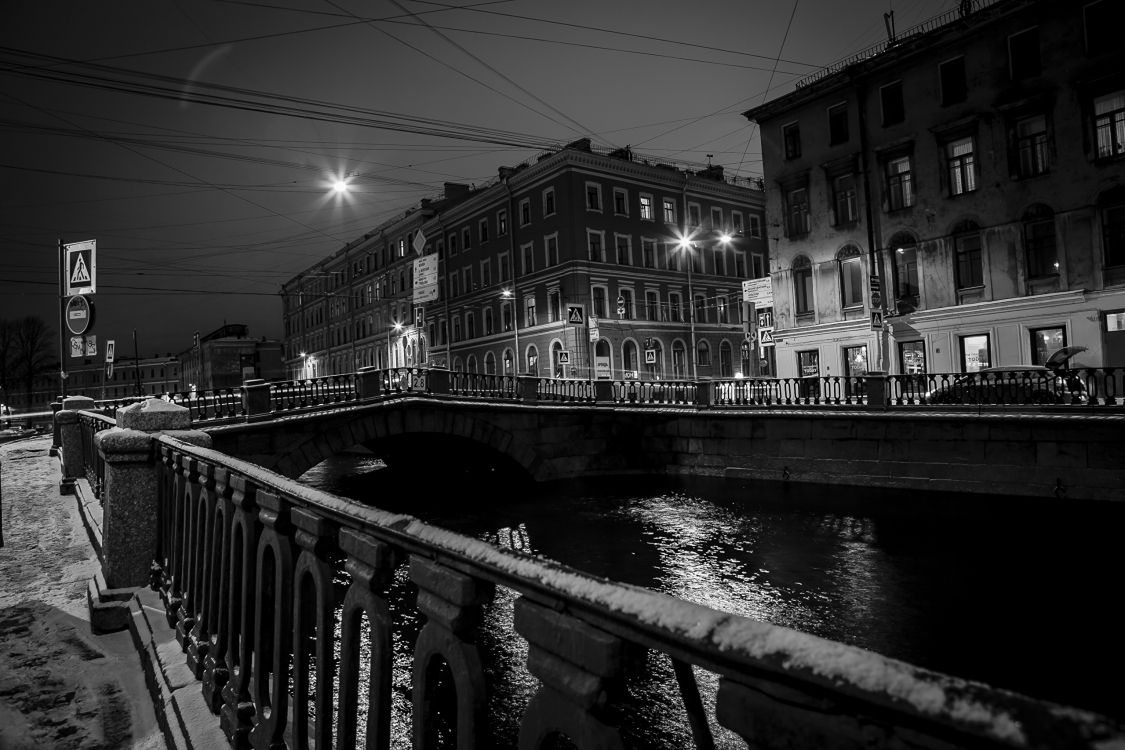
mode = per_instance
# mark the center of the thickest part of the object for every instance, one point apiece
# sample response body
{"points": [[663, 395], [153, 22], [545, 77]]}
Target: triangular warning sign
{"points": [[574, 314], [80, 274], [766, 335]]}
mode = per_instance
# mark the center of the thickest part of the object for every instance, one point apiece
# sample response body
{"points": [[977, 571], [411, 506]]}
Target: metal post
{"points": [[62, 322], [136, 364], [691, 311]]}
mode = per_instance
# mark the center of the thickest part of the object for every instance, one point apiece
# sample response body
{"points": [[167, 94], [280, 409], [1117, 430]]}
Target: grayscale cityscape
{"points": [[585, 375]]}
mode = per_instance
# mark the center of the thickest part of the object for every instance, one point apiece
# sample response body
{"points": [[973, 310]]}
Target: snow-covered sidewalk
{"points": [[61, 686]]}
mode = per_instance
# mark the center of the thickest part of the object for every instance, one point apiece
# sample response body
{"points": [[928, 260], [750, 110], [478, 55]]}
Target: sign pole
{"points": [[62, 320]]}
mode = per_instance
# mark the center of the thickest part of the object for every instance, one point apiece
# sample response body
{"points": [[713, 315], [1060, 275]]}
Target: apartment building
{"points": [[575, 264], [953, 198]]}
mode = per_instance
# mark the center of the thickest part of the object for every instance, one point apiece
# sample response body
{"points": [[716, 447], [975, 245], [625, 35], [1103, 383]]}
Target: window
{"points": [[489, 364], [506, 315], [624, 248], [527, 258], [953, 87], [912, 357], [679, 359], [483, 231], [676, 307], [703, 354], [740, 265], [1109, 123], [525, 212], [652, 305], [1102, 26], [961, 164], [620, 202], [554, 306], [755, 225], [693, 213], [967, 251], [905, 249], [501, 223], [470, 326], [646, 207], [593, 196], [890, 97], [505, 267], [552, 248], [900, 184], [736, 221], [843, 198], [808, 363], [855, 364], [626, 301], [1039, 242], [530, 318], [720, 262], [469, 280], [726, 363], [975, 353], [851, 276], [669, 211], [648, 252], [486, 272], [1045, 342], [452, 244], [838, 124], [489, 322], [1031, 146], [466, 239], [600, 296], [596, 245], [797, 212], [549, 202], [802, 285], [454, 283], [791, 138], [716, 218], [722, 311], [1112, 207], [1023, 54]]}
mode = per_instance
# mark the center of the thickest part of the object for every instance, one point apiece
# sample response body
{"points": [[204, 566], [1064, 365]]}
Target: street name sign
{"points": [[426, 278], [758, 292], [79, 271]]}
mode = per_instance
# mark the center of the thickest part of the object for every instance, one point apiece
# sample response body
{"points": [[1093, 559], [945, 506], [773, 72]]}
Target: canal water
{"points": [[1016, 593]]}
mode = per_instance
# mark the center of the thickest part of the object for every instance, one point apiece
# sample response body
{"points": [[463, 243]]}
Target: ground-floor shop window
{"points": [[975, 353], [1046, 341]]}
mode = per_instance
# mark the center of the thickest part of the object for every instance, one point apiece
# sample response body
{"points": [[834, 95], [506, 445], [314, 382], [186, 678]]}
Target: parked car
{"points": [[1014, 384]]}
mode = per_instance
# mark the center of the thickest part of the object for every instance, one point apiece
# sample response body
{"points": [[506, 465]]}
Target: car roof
{"points": [[1015, 368]]}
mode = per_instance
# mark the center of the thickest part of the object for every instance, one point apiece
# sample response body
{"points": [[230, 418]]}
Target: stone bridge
{"points": [[522, 432]]}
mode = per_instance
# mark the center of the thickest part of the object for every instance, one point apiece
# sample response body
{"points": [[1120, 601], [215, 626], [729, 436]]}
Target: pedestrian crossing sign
{"points": [[575, 315], [78, 271]]}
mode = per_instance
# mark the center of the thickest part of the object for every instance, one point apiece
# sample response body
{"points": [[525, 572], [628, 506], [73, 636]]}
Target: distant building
{"points": [[226, 357], [129, 377], [566, 266], [963, 183]]}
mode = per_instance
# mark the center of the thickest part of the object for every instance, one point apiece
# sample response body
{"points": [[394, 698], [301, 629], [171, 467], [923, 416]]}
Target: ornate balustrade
{"points": [[273, 587], [90, 424]]}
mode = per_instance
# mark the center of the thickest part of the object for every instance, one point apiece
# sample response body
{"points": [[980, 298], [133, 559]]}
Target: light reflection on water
{"points": [[956, 585]]}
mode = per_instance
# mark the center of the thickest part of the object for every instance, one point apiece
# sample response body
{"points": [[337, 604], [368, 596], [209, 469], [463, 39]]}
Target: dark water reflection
{"points": [[1018, 594]]}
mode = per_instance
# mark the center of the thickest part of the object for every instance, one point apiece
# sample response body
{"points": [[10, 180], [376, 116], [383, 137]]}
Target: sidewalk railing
{"points": [[90, 424], [273, 586]]}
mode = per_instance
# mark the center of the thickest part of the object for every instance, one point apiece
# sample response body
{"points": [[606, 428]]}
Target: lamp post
{"points": [[510, 294], [396, 328], [685, 246]]}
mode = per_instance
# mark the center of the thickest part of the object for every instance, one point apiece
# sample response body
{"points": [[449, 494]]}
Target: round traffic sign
{"points": [[79, 314]]}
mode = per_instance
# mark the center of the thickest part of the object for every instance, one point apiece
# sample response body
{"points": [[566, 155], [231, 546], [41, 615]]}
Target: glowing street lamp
{"points": [[396, 328], [687, 247], [510, 294]]}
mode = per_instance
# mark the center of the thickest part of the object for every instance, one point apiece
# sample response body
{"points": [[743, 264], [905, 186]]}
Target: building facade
{"points": [[955, 198], [129, 376], [572, 265], [228, 356]]}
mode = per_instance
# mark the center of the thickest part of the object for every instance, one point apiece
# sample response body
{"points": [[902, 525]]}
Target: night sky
{"points": [[197, 141]]}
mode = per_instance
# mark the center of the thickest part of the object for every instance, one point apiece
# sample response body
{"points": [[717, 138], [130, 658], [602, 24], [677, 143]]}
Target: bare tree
{"points": [[7, 357], [32, 351]]}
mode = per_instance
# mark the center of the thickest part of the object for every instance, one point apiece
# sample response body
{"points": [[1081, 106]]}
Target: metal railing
{"points": [[89, 425], [322, 391], [273, 586]]}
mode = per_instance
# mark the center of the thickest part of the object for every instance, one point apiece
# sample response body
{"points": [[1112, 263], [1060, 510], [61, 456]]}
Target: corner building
{"points": [[953, 199], [569, 265]]}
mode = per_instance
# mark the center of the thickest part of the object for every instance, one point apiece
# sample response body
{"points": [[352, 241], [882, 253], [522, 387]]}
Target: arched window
{"points": [[556, 366], [703, 353], [679, 360], [851, 276], [458, 365], [532, 360], [471, 364], [802, 285], [1039, 242], [968, 267], [629, 358], [507, 359], [489, 364], [726, 360], [904, 247]]}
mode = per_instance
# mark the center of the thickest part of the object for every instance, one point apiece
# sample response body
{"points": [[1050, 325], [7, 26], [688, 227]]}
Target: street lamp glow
{"points": [[340, 186], [725, 238]]}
